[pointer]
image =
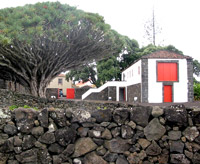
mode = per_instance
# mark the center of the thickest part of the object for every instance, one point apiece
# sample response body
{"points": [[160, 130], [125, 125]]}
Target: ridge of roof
{"points": [[154, 55]]}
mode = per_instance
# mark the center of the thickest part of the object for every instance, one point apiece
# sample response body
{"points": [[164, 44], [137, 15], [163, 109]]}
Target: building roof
{"points": [[61, 75], [164, 54], [161, 54]]}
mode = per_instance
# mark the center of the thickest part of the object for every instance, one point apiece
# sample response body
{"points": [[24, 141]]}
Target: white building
{"points": [[161, 76]]}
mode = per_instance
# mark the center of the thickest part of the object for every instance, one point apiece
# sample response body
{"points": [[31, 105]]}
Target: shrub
{"points": [[197, 91]]}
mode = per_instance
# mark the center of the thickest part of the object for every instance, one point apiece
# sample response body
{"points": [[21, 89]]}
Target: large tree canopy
{"points": [[37, 42]]}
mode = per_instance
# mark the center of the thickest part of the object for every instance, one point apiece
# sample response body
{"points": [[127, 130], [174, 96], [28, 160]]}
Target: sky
{"points": [[178, 19]]}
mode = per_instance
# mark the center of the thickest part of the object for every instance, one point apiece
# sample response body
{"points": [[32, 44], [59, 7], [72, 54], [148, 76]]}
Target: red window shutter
{"points": [[167, 72]]}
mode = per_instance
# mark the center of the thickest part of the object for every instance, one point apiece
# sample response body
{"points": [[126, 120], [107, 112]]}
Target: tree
{"points": [[152, 29], [130, 53], [38, 42], [108, 70], [196, 67], [86, 73]]}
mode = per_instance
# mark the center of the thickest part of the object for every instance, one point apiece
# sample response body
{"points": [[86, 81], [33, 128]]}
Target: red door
{"points": [[167, 93], [70, 93]]}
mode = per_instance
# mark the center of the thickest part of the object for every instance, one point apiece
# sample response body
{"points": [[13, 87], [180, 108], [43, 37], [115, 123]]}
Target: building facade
{"points": [[60, 83], [162, 76]]}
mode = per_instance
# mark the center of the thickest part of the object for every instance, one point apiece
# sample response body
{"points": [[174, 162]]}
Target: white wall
{"points": [[155, 89], [133, 73]]}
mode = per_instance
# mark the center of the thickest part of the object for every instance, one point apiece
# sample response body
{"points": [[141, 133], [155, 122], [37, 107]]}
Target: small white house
{"points": [[162, 76]]}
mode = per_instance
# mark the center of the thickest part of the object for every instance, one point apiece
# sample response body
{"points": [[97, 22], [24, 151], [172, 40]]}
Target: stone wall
{"points": [[134, 91], [112, 93], [103, 95], [52, 92], [80, 91], [81, 133]]}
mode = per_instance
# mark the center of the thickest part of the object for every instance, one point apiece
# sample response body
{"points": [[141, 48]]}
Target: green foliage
{"points": [[84, 73], [108, 70], [47, 19], [13, 107], [196, 67], [25, 106], [197, 91]]}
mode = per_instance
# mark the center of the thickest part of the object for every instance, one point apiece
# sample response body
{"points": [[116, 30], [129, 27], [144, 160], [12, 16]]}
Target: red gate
{"points": [[70, 93]]}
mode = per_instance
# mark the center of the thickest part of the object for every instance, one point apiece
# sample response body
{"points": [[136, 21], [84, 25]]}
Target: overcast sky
{"points": [[179, 19]]}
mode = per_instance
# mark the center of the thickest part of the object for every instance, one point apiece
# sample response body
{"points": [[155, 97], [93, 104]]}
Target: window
{"points": [[60, 81], [167, 71]]}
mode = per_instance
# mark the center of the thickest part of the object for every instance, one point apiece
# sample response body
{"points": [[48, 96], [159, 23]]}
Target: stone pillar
{"points": [[145, 80], [190, 80]]}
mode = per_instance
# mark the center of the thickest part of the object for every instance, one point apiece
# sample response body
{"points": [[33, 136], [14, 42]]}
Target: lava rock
{"points": [[157, 111], [176, 114], [44, 156], [10, 129], [28, 156], [47, 138], [154, 130], [83, 146], [191, 133], [106, 134], [25, 119], [28, 142], [179, 159], [37, 131], [153, 149], [117, 145], [174, 135], [140, 115], [135, 158], [17, 141], [58, 115], [81, 116], [126, 132], [102, 115], [144, 143], [83, 131], [196, 158], [110, 157], [176, 146], [43, 118], [8, 146], [121, 160], [120, 116], [65, 136], [55, 148], [93, 158]]}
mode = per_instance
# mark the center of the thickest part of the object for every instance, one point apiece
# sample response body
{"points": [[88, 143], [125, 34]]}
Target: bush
{"points": [[197, 91]]}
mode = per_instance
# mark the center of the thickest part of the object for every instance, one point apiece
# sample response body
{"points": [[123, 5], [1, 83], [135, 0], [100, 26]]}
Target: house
{"points": [[83, 84], [162, 76], [57, 84]]}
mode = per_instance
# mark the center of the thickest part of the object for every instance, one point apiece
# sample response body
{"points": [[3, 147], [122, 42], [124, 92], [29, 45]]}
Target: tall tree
{"points": [[85, 73], [152, 29], [108, 70], [37, 42]]}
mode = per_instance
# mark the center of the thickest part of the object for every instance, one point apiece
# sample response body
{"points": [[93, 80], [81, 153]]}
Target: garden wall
{"points": [[81, 133]]}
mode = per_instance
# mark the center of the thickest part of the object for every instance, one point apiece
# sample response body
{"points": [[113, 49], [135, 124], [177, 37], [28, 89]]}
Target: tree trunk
{"points": [[34, 88]]}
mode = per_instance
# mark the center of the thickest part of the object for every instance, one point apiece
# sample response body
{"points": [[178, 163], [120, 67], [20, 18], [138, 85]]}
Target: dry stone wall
{"points": [[82, 133]]}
